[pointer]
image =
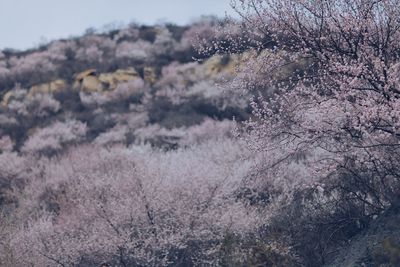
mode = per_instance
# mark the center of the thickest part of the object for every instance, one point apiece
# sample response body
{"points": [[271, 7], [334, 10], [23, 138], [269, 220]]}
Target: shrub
{"points": [[53, 138], [134, 206]]}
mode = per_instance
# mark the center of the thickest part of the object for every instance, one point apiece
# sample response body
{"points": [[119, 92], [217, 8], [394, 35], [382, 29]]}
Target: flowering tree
{"points": [[176, 78], [164, 42], [6, 144], [139, 50], [4, 71], [115, 135], [333, 67], [91, 53], [130, 33], [54, 137], [133, 206], [344, 106]]}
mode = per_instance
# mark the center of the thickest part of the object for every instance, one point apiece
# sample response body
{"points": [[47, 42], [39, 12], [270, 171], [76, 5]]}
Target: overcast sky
{"points": [[25, 23]]}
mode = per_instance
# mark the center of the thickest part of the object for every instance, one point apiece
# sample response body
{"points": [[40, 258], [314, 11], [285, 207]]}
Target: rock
{"points": [[218, 64], [87, 81], [91, 84], [17, 94], [149, 75], [58, 85], [7, 98], [48, 88], [90, 72], [120, 76]]}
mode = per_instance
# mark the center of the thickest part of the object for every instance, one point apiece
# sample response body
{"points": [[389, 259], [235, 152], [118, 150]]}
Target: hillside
{"points": [[271, 140], [115, 84], [140, 100]]}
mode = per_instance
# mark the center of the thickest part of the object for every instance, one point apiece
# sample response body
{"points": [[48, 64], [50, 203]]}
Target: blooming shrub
{"points": [[6, 144], [134, 206], [115, 135], [54, 137], [140, 50]]}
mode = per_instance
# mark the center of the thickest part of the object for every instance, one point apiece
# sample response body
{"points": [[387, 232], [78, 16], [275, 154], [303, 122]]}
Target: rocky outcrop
{"points": [[90, 81], [149, 75], [48, 88], [15, 94], [80, 76], [220, 64], [87, 81], [7, 98], [111, 80]]}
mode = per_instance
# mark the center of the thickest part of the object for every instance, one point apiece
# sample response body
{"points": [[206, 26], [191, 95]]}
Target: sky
{"points": [[27, 23]]}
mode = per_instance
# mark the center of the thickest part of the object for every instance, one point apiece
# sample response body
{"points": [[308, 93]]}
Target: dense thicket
{"points": [[152, 171]]}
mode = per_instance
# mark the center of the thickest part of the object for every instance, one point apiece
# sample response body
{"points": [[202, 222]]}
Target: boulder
{"points": [[91, 84], [90, 72], [87, 81]]}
